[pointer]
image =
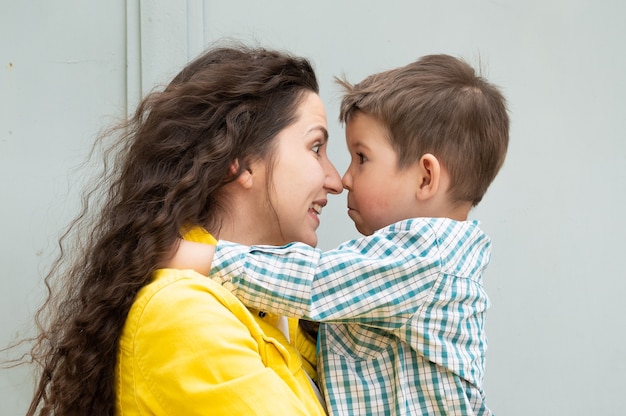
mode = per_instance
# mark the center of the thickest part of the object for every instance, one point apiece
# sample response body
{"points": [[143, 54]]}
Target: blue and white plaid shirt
{"points": [[403, 313]]}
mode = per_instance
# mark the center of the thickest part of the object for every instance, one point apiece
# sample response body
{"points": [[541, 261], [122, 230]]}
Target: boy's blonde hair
{"points": [[438, 105]]}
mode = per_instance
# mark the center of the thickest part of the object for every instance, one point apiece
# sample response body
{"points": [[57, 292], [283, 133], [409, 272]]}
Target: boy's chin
{"points": [[363, 230], [310, 240]]}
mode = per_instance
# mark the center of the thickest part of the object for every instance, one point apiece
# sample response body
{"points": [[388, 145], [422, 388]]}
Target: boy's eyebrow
{"points": [[360, 144]]}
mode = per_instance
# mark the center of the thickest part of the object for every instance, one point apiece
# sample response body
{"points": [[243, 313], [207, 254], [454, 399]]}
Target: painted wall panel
{"points": [[554, 213], [62, 70]]}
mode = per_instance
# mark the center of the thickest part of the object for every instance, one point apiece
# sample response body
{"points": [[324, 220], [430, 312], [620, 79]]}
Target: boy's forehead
{"points": [[363, 128]]}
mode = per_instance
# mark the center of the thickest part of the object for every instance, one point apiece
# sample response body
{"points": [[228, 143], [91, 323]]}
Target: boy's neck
{"points": [[441, 207], [460, 212]]}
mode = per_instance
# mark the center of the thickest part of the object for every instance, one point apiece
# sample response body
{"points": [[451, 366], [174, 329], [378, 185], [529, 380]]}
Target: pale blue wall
{"points": [[557, 342]]}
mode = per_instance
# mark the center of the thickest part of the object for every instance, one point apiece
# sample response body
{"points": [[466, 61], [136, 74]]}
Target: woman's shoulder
{"points": [[185, 300], [170, 284]]}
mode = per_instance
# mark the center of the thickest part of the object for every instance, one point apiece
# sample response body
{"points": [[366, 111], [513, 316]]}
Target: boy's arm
{"points": [[302, 282], [379, 280], [373, 280]]}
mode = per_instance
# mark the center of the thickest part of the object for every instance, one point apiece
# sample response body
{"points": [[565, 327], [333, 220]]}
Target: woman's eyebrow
{"points": [[320, 128]]}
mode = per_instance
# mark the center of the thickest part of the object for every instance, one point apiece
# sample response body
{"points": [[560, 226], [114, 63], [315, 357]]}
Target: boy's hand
{"points": [[191, 255]]}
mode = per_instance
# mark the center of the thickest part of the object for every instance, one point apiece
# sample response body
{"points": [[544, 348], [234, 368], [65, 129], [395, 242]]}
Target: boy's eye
{"points": [[361, 157]]}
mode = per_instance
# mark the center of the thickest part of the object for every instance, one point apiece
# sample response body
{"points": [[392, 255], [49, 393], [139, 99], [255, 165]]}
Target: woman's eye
{"points": [[317, 148]]}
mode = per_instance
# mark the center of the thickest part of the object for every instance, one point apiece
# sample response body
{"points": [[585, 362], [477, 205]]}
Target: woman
{"points": [[234, 143]]}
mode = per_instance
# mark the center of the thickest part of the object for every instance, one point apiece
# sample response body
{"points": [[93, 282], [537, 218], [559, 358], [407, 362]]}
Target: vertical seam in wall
{"points": [[195, 28], [139, 52], [126, 57], [187, 34], [134, 59], [204, 31]]}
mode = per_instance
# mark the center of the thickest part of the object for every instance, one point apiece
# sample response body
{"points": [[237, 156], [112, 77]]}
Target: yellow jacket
{"points": [[190, 347]]}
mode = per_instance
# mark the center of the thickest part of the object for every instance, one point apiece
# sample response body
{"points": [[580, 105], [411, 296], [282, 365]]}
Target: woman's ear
{"points": [[245, 178], [430, 176], [234, 167]]}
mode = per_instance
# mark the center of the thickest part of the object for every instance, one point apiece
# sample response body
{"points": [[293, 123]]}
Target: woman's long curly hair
{"points": [[166, 168]]}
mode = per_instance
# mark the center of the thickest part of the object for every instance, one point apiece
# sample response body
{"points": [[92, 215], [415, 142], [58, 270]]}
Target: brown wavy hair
{"points": [[165, 167]]}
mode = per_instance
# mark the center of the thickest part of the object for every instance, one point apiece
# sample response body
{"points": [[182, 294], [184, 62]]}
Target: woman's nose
{"points": [[333, 181]]}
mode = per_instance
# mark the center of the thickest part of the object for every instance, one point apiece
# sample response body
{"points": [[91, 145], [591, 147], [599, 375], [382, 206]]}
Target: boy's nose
{"points": [[346, 180]]}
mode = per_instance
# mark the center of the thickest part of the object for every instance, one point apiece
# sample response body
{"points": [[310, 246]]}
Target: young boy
{"points": [[403, 308]]}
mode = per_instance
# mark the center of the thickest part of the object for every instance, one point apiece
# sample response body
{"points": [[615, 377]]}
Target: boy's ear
{"points": [[429, 177], [245, 178]]}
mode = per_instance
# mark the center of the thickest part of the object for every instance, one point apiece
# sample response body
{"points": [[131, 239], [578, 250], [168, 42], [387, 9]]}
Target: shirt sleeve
{"points": [[378, 280]]}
